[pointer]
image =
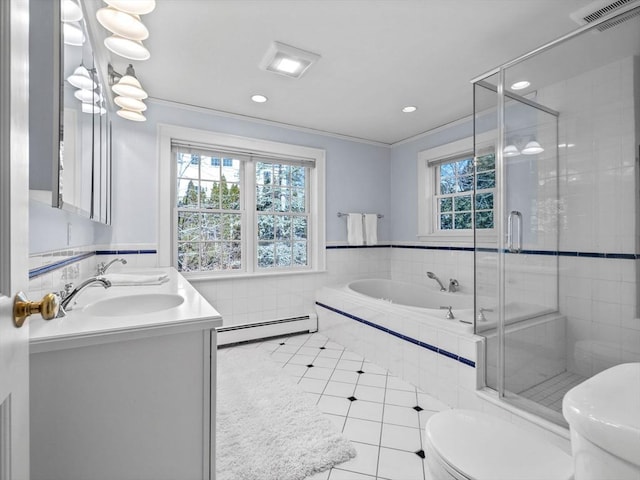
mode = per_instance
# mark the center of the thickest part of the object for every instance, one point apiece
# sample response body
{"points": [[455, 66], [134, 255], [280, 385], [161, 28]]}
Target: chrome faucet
{"points": [[453, 285], [432, 276], [102, 267], [70, 294]]}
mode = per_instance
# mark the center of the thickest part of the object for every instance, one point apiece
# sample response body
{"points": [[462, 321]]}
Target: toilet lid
{"points": [[484, 447]]}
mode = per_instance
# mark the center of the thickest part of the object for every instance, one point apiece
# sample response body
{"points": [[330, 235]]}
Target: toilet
{"points": [[472, 445], [603, 413]]}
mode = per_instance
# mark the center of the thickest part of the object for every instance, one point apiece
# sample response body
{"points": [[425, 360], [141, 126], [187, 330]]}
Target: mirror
{"points": [[70, 164]]}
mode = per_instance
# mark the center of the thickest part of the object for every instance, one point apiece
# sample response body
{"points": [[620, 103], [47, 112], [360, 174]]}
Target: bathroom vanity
{"points": [[123, 386]]}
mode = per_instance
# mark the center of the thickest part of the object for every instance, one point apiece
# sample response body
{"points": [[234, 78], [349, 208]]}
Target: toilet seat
{"points": [[476, 446]]}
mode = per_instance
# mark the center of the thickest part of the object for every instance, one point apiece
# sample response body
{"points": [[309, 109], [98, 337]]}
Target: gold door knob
{"points": [[47, 307]]}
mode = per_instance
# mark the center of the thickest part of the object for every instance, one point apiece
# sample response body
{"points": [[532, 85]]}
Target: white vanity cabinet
{"points": [[130, 398]]}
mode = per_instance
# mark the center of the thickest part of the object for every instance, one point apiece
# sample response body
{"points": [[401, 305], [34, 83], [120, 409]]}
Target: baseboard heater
{"points": [[272, 328]]}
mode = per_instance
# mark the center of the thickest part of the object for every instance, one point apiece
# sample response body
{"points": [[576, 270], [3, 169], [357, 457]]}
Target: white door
{"points": [[14, 218]]}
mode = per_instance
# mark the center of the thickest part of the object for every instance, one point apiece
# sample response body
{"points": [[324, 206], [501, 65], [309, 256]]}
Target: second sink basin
{"points": [[133, 305]]}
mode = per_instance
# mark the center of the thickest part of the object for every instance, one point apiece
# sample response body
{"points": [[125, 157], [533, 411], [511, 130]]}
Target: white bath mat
{"points": [[267, 429]]}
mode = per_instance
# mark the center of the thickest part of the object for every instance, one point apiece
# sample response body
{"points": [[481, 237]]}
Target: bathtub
{"points": [[401, 327]]}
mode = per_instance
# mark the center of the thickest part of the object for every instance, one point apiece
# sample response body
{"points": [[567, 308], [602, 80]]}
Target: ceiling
{"points": [[376, 57]]}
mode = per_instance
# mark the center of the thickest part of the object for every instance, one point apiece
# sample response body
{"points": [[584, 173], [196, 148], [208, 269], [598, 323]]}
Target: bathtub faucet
{"points": [[453, 285], [432, 276]]}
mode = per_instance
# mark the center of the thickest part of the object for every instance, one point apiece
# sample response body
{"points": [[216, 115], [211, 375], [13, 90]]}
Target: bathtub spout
{"points": [[453, 285], [432, 276]]}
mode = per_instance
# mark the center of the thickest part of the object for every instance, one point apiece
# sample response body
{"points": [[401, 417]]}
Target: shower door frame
{"points": [[481, 80]]}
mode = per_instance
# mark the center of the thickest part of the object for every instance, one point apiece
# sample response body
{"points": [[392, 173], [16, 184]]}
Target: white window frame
{"points": [[428, 161], [167, 223]]}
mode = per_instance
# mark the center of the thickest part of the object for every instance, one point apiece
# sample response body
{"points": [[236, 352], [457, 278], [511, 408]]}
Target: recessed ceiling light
{"points": [[259, 98], [520, 85], [409, 109], [287, 60]]}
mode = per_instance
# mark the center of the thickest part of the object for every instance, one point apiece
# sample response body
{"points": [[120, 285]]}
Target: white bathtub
{"points": [[400, 326], [425, 301]]}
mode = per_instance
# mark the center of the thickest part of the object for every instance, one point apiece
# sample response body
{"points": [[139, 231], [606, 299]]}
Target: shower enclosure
{"points": [[559, 274]]}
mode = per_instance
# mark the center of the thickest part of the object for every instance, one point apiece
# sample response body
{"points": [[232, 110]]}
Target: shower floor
{"points": [[551, 392]]}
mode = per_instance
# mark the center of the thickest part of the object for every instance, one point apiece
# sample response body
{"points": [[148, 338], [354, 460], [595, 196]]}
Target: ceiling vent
{"points": [[287, 60], [601, 8]]}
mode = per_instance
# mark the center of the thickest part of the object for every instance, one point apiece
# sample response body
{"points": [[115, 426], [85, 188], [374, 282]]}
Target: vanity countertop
{"points": [[80, 327]]}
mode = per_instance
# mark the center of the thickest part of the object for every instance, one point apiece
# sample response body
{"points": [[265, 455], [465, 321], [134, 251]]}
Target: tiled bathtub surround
{"points": [[439, 361]]}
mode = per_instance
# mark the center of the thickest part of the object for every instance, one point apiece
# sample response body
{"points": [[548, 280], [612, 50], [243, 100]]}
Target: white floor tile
{"points": [[296, 371], [287, 348], [318, 372], [396, 383], [299, 359], [371, 394], [281, 357], [348, 355], [314, 397], [373, 368], [333, 346], [401, 438], [325, 362], [339, 389], [337, 420], [404, 416], [372, 380], [430, 403], [366, 410], [335, 405], [365, 461], [425, 415], [305, 350], [319, 476], [312, 385], [337, 474], [344, 376], [364, 431], [398, 465], [352, 365], [401, 398], [327, 353]]}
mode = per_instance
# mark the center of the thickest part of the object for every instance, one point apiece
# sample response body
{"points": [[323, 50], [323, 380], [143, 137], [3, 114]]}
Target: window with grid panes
{"points": [[240, 213], [454, 193], [208, 212]]}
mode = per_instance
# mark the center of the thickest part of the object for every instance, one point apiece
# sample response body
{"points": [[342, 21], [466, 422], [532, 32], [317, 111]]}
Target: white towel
{"points": [[371, 228], [134, 279], [354, 229]]}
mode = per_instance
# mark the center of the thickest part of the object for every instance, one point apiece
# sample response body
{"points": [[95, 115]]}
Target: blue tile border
{"points": [[553, 253], [401, 336], [36, 272]]}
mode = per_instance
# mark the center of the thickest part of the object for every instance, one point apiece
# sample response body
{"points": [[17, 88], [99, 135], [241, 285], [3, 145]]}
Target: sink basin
{"points": [[133, 305]]}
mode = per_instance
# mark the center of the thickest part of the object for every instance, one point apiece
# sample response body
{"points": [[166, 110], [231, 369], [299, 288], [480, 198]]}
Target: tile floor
{"points": [[381, 414], [551, 392]]}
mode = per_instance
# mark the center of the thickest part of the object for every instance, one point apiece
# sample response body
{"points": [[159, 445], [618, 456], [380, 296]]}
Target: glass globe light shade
{"points": [[129, 103], [532, 148], [121, 23], [81, 79], [131, 115], [71, 11], [86, 96], [73, 35], [129, 86], [136, 7], [511, 151], [131, 49]]}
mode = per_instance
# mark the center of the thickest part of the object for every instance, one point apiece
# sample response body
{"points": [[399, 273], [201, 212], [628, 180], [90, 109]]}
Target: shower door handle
{"points": [[515, 217]]}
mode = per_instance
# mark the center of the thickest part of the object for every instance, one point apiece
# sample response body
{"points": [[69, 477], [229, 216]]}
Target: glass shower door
{"points": [[517, 266]]}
